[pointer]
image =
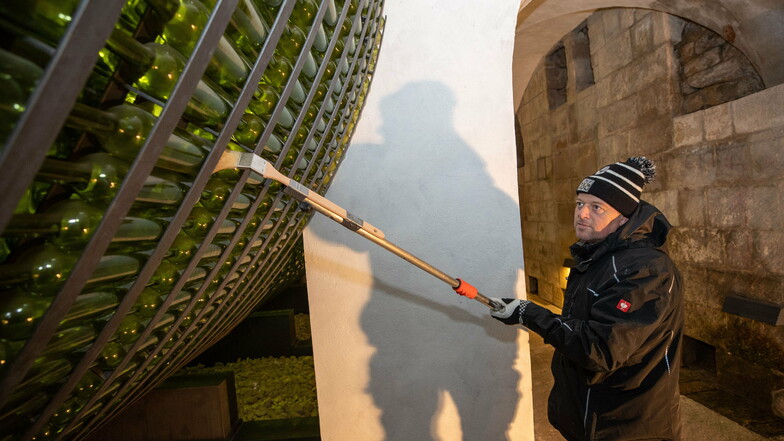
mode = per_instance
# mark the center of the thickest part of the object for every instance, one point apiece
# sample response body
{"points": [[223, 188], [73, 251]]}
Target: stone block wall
{"points": [[729, 240], [720, 178], [620, 105]]}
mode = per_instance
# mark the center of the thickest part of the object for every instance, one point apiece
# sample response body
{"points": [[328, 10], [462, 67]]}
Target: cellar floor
{"points": [[707, 412]]}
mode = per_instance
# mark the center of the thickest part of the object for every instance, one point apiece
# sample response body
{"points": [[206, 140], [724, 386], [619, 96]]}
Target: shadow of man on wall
{"points": [[432, 347]]}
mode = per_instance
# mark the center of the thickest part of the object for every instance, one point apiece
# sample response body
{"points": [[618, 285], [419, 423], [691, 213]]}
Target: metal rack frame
{"points": [[27, 147]]}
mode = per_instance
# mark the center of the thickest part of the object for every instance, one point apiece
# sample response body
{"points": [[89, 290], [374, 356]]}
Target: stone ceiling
{"points": [[756, 27]]}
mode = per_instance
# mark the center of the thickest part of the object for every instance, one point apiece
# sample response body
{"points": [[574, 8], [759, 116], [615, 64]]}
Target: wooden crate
{"points": [[183, 408]]}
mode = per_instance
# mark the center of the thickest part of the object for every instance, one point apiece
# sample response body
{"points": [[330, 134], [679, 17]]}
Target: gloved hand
{"points": [[510, 314]]}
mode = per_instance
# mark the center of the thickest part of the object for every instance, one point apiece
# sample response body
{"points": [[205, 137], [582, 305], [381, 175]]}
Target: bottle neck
{"points": [[95, 177], [90, 119], [58, 170], [130, 50]]}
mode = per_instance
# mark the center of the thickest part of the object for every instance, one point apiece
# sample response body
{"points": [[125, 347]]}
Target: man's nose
{"points": [[583, 212]]}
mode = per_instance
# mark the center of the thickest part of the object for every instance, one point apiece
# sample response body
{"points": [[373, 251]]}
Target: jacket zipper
{"points": [[587, 401], [667, 353]]}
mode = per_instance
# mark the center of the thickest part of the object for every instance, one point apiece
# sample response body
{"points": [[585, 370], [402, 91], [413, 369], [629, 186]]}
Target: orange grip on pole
{"points": [[466, 289]]}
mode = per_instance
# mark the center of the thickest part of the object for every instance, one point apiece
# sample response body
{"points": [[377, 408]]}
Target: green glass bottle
{"points": [[149, 301], [215, 193], [301, 136], [122, 131], [128, 330], [196, 277], [18, 79], [272, 147], [290, 159], [44, 374], [9, 349], [46, 18], [331, 16], [145, 348], [248, 29], [312, 118], [353, 6], [267, 10], [329, 75], [303, 14], [167, 273], [200, 220], [20, 312], [66, 412], [183, 248], [180, 300], [155, 68], [66, 340], [42, 269], [17, 410], [345, 27], [32, 197], [227, 68], [322, 97], [90, 305], [113, 268], [277, 75], [337, 52], [321, 41], [269, 3], [70, 224], [164, 277], [181, 154], [249, 129], [265, 98], [97, 177], [290, 47], [111, 355], [87, 385], [163, 324], [162, 192], [184, 21]]}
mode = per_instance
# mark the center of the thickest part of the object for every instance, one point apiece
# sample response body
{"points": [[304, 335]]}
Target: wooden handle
{"points": [[231, 159]]}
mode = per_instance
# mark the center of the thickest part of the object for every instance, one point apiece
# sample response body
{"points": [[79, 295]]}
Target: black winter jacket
{"points": [[618, 342]]}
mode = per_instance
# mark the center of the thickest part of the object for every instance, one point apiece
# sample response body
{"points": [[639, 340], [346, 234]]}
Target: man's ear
{"points": [[624, 219]]}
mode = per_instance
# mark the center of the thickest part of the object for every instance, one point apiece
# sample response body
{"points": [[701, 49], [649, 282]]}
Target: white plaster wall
{"points": [[398, 355]]}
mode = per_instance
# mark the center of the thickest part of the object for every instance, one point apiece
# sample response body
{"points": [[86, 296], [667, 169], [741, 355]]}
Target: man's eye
{"points": [[598, 208]]}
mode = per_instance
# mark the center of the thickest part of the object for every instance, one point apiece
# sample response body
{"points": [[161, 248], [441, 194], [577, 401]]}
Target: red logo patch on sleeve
{"points": [[624, 305]]}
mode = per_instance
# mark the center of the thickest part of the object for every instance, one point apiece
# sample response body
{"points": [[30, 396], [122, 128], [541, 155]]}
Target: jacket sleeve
{"points": [[623, 317]]}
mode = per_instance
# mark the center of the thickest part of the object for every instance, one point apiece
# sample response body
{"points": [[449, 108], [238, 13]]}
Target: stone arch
{"points": [[756, 29]]}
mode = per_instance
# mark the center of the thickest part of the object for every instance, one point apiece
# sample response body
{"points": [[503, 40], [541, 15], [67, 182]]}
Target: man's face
{"points": [[595, 219]]}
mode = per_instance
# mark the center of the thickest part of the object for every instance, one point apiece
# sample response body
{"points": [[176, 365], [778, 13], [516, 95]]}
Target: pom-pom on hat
{"points": [[620, 184]]}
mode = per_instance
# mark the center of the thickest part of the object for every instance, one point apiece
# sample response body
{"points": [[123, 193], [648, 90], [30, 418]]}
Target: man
{"points": [[618, 340]]}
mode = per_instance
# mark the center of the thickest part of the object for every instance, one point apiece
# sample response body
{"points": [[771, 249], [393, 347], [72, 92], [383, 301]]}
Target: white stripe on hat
{"points": [[636, 199], [632, 169], [625, 179]]}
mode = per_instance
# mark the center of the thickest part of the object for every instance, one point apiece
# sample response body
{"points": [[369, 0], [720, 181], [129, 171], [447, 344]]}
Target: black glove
{"points": [[511, 313]]}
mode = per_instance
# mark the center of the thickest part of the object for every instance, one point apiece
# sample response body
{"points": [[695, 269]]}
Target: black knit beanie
{"points": [[620, 184]]}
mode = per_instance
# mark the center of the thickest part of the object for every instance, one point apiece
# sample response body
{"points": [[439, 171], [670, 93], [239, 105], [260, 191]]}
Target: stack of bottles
{"points": [[124, 256]]}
